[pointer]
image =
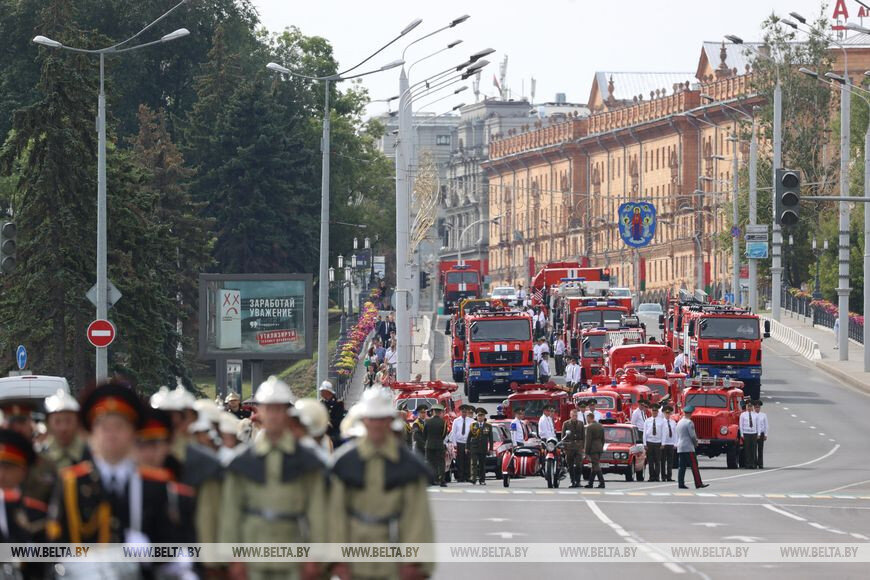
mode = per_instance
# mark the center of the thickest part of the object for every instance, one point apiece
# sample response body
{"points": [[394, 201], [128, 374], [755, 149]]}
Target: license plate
{"points": [[703, 441], [501, 374]]}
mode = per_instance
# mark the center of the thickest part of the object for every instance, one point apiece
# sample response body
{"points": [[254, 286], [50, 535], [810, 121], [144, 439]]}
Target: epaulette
{"points": [[181, 489], [79, 469], [11, 495], [155, 473], [35, 504]]}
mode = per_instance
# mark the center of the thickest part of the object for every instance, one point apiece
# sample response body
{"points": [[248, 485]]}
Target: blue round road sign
{"points": [[21, 357]]}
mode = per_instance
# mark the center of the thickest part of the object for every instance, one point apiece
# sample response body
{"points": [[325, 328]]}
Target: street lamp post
{"points": [[465, 230], [102, 360], [817, 252]]}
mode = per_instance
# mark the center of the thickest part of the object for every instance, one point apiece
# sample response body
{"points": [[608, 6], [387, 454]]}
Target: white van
{"points": [[30, 387]]}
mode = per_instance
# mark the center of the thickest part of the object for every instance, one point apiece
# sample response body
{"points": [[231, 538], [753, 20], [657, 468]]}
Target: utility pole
{"points": [[866, 248], [843, 289], [401, 296], [753, 212], [776, 266], [735, 220]]}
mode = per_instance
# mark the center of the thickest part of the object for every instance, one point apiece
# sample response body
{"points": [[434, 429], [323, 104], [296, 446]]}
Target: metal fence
{"points": [[819, 316]]}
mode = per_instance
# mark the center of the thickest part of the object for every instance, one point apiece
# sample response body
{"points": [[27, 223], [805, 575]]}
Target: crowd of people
{"points": [[381, 358], [115, 467]]}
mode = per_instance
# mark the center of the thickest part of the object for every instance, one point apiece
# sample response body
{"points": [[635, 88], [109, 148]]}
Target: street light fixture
{"points": [[102, 285]]}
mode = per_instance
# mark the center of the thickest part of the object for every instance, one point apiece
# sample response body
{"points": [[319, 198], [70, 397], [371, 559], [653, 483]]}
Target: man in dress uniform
{"points": [[233, 404], [762, 433], [109, 498], [669, 442], [336, 411], [652, 440], [275, 491], [42, 475], [559, 353], [639, 415], [377, 493], [546, 426], [459, 437], [594, 448], [418, 442], [582, 405], [544, 367], [480, 442], [572, 375], [749, 430], [519, 432], [687, 440], [574, 434], [22, 518], [434, 432], [65, 445]]}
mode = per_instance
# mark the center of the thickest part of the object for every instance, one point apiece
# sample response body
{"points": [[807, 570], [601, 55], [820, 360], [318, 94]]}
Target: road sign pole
{"points": [[102, 356], [753, 212]]}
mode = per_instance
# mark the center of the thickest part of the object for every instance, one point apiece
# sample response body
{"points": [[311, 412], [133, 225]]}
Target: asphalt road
{"points": [[815, 488]]}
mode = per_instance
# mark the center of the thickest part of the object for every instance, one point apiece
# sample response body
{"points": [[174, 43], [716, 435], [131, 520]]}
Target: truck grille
{"points": [[703, 427], [501, 358], [728, 355]]}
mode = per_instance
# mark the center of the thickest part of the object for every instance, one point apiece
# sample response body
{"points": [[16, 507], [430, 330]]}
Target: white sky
{"points": [[561, 43]]}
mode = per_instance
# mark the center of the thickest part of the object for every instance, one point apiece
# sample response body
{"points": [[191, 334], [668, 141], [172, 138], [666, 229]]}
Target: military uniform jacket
{"points": [[594, 438], [83, 511], [274, 492], [576, 440], [379, 495], [434, 432], [41, 479], [480, 438], [22, 520], [61, 457], [199, 468]]}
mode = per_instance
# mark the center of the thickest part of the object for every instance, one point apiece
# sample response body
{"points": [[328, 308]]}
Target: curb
{"points": [[843, 376]]}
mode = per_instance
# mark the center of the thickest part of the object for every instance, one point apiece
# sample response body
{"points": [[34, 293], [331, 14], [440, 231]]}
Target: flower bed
{"points": [[831, 308], [349, 349]]}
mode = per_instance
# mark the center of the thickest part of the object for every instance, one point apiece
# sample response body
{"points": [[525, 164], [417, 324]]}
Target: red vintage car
{"points": [[624, 452], [410, 395], [606, 401], [534, 397]]}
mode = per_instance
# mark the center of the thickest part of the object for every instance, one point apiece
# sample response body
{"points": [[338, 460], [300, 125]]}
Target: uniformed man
{"points": [[639, 415], [546, 426], [110, 498], [65, 445], [652, 440], [314, 419], [22, 519], [42, 475], [519, 431], [687, 440], [228, 428], [233, 404], [480, 443], [336, 411], [594, 447], [420, 416], [590, 408], [574, 435], [762, 433], [582, 405], [559, 353], [275, 491], [749, 430], [544, 367], [572, 375], [669, 442], [377, 494], [434, 432], [459, 436]]}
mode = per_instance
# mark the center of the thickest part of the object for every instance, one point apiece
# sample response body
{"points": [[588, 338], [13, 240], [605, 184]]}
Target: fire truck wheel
{"points": [[731, 456], [473, 395], [629, 473]]}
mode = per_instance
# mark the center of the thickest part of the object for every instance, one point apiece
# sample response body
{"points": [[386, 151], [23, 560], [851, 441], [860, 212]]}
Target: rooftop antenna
{"points": [[502, 77], [534, 82], [475, 85]]}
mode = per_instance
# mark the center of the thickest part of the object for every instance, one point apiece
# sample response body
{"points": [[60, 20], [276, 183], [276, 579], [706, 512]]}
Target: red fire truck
{"points": [[554, 273], [532, 398], [460, 281], [717, 416], [593, 343], [499, 350], [456, 330]]}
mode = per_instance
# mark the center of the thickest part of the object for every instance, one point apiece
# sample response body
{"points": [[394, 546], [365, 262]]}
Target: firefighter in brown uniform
{"points": [[574, 434], [109, 498], [480, 443], [378, 494], [419, 443], [274, 492], [42, 475], [65, 445], [434, 432]]}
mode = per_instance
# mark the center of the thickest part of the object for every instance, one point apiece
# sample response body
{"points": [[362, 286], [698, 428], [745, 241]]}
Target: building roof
{"points": [[737, 56], [627, 85], [859, 39]]}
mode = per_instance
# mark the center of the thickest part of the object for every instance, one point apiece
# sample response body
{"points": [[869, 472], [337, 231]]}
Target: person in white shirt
{"points": [[541, 323], [680, 363], [762, 434], [536, 351], [546, 426], [572, 374], [559, 352], [544, 368], [653, 428], [669, 442], [459, 437], [749, 430], [519, 435], [591, 409], [638, 416], [521, 294]]}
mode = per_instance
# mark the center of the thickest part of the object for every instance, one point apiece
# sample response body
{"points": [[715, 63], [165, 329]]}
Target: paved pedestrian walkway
{"points": [[850, 371]]}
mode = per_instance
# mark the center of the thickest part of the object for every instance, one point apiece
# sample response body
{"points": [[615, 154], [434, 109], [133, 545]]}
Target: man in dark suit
{"points": [[434, 432], [594, 448], [574, 433]]}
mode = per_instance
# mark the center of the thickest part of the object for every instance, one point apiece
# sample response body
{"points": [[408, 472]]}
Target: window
{"points": [[442, 140]]}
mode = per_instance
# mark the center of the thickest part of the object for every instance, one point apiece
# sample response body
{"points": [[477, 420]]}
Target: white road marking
{"points": [[818, 525], [812, 426], [744, 539], [708, 524], [859, 536], [845, 486], [825, 506], [497, 520], [803, 421], [505, 535], [784, 513]]}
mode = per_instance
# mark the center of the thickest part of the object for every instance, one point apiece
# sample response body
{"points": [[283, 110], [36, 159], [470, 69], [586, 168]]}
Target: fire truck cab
{"points": [[606, 401], [410, 395], [456, 330], [534, 397], [460, 282], [499, 351], [717, 416]]}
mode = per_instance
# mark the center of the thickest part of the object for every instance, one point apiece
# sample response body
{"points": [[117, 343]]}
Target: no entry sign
{"points": [[101, 333]]}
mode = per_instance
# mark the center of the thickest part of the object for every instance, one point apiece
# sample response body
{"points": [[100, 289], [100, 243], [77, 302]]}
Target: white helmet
{"points": [[163, 400], [376, 403], [274, 391], [181, 399], [326, 386], [312, 414], [201, 425], [228, 424], [207, 408], [61, 401]]}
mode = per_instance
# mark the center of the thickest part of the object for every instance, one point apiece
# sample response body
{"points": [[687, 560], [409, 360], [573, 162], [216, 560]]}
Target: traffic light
{"points": [[424, 280], [788, 196], [8, 246]]}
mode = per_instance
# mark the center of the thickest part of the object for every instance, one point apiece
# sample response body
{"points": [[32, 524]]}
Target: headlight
{"points": [[551, 446], [723, 430], [621, 455]]}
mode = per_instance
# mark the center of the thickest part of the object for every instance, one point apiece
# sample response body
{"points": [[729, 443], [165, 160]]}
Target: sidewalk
{"points": [[850, 371]]}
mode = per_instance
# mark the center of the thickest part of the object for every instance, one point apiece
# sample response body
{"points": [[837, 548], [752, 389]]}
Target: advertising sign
{"points": [[381, 267], [255, 316], [756, 250], [637, 223]]}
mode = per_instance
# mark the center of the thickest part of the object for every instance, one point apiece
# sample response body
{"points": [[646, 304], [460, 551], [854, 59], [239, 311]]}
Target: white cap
{"points": [[162, 400], [207, 408], [327, 386], [312, 414], [228, 424], [201, 425], [181, 399], [61, 401], [376, 403], [274, 391]]}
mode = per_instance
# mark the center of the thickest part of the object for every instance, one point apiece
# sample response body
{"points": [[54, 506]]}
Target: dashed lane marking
{"points": [[784, 513], [704, 494]]}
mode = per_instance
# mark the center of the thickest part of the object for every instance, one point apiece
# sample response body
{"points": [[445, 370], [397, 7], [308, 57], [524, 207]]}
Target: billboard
{"points": [[255, 316]]}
